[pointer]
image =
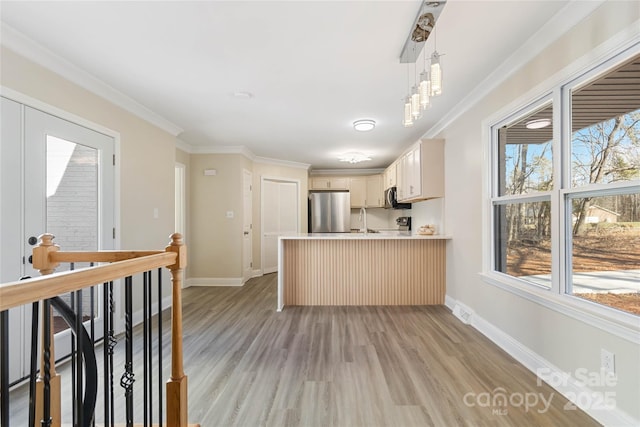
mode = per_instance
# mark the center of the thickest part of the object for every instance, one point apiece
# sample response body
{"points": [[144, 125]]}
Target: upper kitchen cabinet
{"points": [[420, 171], [366, 191], [329, 183], [375, 192], [389, 176], [358, 190]]}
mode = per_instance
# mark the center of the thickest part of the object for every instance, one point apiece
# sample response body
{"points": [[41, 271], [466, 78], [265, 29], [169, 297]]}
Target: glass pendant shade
{"points": [[416, 112], [408, 118], [424, 88], [436, 74]]}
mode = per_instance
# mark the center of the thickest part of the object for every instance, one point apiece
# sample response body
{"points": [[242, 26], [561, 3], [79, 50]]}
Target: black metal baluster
{"points": [[127, 379], [105, 350], [4, 369], [145, 343], [92, 332], [35, 312], [150, 340], [112, 344], [74, 359], [46, 369], [79, 367], [160, 346]]}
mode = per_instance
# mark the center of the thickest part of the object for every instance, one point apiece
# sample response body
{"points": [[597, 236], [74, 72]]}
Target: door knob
{"points": [[32, 240], [246, 233]]}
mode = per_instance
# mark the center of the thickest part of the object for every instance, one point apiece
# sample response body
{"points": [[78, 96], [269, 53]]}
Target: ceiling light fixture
{"points": [[354, 157], [429, 82], [364, 125], [537, 124]]}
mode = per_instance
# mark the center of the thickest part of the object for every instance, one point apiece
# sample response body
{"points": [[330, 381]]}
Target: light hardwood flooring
{"points": [[249, 365], [348, 366]]}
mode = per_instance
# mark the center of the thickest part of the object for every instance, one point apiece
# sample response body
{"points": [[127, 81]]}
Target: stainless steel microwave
{"points": [[391, 200]]}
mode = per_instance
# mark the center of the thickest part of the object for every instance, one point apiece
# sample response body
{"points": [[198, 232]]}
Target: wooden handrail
{"points": [[99, 256], [15, 294]]}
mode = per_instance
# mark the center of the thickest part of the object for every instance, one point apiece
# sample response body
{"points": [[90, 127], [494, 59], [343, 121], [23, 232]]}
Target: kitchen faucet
{"points": [[363, 219]]}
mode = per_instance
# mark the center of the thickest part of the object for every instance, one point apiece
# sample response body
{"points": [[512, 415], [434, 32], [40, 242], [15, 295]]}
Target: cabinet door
{"points": [[389, 177], [320, 183], [339, 183], [374, 191], [401, 178], [414, 176], [358, 190]]}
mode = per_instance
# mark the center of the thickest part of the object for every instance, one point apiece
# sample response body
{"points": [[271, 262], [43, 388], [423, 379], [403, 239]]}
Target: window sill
{"points": [[621, 324]]}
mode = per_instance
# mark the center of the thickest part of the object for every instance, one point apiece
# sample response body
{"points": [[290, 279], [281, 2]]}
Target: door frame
{"points": [[81, 121], [264, 178]]}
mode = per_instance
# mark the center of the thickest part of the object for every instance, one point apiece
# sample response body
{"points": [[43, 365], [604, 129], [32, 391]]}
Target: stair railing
{"points": [[45, 291]]}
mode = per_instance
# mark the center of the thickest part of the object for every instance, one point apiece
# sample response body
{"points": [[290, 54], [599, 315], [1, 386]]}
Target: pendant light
{"points": [[416, 111], [408, 118], [436, 69]]}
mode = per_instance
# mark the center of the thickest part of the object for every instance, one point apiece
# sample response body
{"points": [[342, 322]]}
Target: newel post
{"points": [[42, 263], [177, 384]]}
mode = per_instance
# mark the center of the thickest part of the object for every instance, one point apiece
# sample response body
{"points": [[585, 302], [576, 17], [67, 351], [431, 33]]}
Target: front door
{"points": [[62, 178]]}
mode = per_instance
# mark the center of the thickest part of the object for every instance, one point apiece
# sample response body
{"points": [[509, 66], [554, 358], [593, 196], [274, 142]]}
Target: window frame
{"points": [[557, 91]]}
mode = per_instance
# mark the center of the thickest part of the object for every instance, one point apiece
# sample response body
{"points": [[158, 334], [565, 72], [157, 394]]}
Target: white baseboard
{"points": [[569, 387], [256, 273], [214, 281]]}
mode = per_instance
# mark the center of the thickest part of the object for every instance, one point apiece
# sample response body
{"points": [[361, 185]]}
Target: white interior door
{"points": [[63, 175], [247, 234], [280, 213]]}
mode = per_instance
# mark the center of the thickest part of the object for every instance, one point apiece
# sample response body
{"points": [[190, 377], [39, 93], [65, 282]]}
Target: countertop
{"points": [[388, 235]]}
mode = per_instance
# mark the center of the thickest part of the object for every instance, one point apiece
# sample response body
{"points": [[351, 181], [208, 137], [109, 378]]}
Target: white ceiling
{"points": [[313, 67]]}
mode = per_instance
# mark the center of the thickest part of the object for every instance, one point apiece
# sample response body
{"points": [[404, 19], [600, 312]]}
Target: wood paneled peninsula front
{"points": [[361, 269]]}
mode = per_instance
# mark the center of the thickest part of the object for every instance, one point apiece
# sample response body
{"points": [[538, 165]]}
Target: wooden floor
{"points": [[249, 365], [349, 366]]}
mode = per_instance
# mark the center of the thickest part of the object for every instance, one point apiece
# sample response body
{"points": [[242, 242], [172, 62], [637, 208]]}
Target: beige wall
{"points": [[215, 240], [147, 153], [565, 342]]}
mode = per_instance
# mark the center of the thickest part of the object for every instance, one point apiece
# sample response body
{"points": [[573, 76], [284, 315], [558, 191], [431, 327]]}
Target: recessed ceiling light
{"points": [[364, 125], [537, 124], [354, 157]]}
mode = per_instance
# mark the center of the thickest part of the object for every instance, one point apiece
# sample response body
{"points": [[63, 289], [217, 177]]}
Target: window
{"points": [[522, 205], [566, 205]]}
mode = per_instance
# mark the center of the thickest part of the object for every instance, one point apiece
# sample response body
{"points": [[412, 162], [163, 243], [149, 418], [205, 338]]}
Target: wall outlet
{"points": [[607, 361]]}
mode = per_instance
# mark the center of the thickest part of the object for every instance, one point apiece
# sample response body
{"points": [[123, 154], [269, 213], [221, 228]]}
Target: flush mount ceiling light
{"points": [[354, 157], [537, 124], [242, 95], [364, 125]]}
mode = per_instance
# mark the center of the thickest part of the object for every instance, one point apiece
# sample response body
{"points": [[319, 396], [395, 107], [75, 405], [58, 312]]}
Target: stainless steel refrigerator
{"points": [[329, 212]]}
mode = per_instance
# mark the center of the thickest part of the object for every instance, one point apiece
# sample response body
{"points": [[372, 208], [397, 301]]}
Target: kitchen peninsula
{"points": [[361, 269]]}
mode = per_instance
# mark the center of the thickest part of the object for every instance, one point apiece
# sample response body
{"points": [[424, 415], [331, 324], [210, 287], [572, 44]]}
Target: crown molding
{"points": [[278, 162], [563, 21], [343, 172], [181, 145], [24, 46], [239, 149]]}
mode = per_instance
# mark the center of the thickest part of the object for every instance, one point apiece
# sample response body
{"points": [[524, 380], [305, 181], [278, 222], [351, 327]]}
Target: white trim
{"points": [[181, 145], [239, 149], [623, 325], [256, 273], [556, 27], [33, 51], [264, 178], [348, 172], [278, 162], [536, 364], [214, 281]]}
